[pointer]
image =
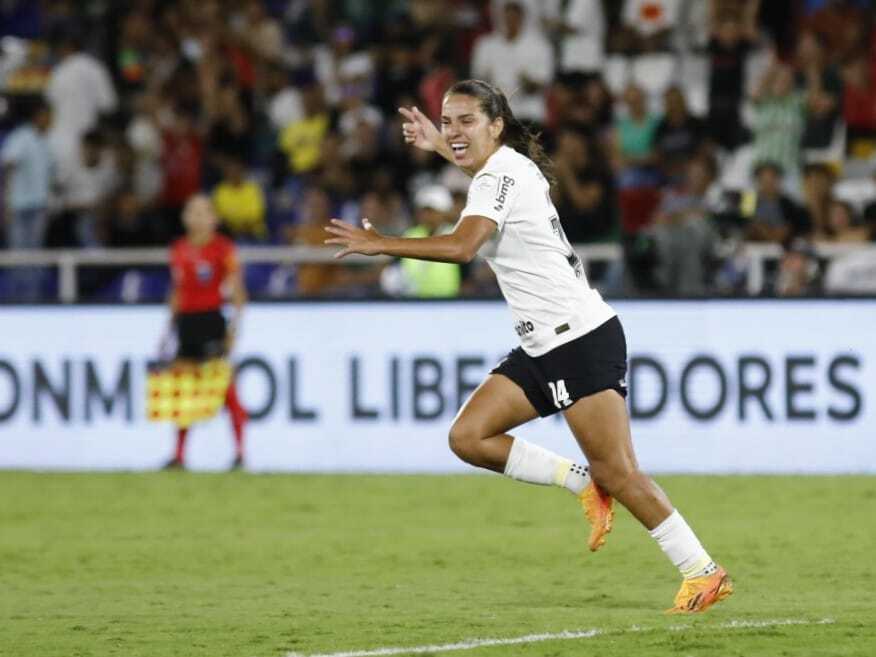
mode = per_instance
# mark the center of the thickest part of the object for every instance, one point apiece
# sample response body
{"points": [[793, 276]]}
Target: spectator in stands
{"points": [[778, 121], [182, 160], [229, 127], [580, 30], [86, 182], [769, 214], [679, 135], [398, 69], [538, 15], [732, 35], [842, 25], [143, 135], [599, 97], [817, 197], [684, 236], [301, 141], [260, 33], [335, 175], [359, 125], [132, 57], [634, 147], [844, 225], [859, 104], [584, 193], [240, 203], [27, 165], [517, 62], [283, 104], [649, 24], [315, 214], [823, 87], [799, 270], [435, 54], [420, 278], [80, 91], [129, 223], [338, 62], [385, 210]]}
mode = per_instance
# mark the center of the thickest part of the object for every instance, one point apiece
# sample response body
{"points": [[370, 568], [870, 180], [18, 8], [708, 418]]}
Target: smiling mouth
{"points": [[458, 148]]}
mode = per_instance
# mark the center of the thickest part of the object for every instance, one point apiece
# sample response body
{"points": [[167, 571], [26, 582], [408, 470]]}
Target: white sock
{"points": [[536, 465], [683, 548]]}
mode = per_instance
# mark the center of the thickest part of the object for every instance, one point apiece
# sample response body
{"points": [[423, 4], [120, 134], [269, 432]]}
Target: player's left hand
{"points": [[365, 240]]}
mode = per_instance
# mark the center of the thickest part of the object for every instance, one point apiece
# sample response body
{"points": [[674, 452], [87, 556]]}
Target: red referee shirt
{"points": [[199, 271]]}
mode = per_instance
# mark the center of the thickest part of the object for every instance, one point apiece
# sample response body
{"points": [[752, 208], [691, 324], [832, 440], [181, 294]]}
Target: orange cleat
{"points": [[699, 593], [597, 505]]}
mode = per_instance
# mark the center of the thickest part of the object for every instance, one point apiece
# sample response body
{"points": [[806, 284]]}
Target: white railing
{"points": [[69, 260]]}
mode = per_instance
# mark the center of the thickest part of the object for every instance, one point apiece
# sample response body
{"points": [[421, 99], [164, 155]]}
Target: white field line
{"points": [[568, 635]]}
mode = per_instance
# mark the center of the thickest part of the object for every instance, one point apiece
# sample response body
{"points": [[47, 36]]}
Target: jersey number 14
{"points": [[559, 392]]}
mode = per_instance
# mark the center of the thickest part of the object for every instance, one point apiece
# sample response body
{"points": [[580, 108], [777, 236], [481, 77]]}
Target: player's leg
{"points": [[189, 350], [479, 436], [238, 415], [177, 462], [601, 426]]}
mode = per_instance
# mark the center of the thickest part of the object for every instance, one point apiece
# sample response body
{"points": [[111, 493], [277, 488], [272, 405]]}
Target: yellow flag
{"points": [[185, 393]]}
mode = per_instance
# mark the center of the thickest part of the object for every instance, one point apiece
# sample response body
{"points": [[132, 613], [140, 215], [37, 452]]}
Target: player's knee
{"points": [[612, 477], [464, 441]]}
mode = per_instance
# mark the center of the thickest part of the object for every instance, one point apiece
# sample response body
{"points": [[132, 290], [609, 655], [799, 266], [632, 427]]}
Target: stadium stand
{"points": [[260, 103]]}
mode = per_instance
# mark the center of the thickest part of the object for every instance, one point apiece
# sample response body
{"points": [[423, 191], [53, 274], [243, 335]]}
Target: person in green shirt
{"points": [[421, 278]]}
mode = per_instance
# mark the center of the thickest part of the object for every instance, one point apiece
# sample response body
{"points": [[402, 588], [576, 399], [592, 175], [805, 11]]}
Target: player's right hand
{"points": [[419, 131]]}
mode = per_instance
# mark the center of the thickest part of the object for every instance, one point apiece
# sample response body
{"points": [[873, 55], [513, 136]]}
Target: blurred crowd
{"points": [[679, 130]]}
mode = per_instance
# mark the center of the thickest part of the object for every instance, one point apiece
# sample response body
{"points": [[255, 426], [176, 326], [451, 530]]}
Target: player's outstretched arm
{"points": [[460, 246], [420, 132]]}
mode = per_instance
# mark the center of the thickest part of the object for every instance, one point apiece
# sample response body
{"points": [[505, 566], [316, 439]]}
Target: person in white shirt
{"points": [[26, 171], [651, 23], [79, 90], [572, 357], [85, 183], [581, 29], [538, 14], [519, 62]]}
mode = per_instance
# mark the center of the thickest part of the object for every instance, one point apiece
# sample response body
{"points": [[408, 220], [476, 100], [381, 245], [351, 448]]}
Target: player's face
{"points": [[199, 217], [471, 135]]}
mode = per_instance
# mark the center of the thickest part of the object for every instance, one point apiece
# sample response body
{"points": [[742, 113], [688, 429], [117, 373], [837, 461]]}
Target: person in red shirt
{"points": [[202, 263], [182, 161]]}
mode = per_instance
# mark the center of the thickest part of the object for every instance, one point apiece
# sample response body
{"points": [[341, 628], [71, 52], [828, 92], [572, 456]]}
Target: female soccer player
{"points": [[572, 357], [202, 263]]}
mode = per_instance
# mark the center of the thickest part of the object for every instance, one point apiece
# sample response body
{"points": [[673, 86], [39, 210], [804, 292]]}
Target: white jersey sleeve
{"points": [[491, 195]]}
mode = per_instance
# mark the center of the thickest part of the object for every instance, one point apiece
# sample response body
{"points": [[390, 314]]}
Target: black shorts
{"points": [[594, 362], [201, 336]]}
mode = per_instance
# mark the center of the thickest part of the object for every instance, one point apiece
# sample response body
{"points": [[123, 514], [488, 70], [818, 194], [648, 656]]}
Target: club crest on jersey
{"points": [[485, 182], [502, 195], [203, 271]]}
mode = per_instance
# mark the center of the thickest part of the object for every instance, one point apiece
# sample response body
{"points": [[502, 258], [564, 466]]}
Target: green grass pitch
{"points": [[237, 565]]}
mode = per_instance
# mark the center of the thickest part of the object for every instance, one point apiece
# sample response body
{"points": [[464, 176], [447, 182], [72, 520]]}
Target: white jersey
{"points": [[540, 276]]}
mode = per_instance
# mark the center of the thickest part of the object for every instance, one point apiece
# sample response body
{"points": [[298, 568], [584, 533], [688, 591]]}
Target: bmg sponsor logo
{"points": [[505, 185]]}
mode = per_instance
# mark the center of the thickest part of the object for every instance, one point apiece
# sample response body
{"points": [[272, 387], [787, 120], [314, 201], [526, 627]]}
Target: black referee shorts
{"points": [[201, 336], [589, 364]]}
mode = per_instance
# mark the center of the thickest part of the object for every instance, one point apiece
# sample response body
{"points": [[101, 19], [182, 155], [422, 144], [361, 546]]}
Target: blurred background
{"points": [[702, 147]]}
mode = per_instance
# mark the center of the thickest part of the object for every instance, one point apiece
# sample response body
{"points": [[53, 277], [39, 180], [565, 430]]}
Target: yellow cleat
{"points": [[699, 593], [598, 510]]}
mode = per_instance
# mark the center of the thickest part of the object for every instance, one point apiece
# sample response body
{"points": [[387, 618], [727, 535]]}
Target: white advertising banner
{"points": [[719, 386]]}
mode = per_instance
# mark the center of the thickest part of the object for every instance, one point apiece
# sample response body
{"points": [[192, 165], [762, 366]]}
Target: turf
{"points": [[258, 566]]}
